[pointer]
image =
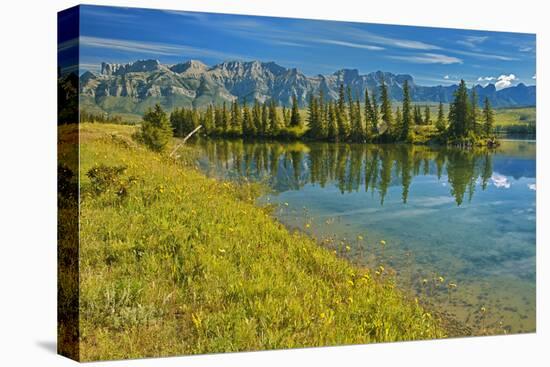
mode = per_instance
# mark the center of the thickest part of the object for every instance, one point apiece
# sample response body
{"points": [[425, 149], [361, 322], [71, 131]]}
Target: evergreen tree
{"points": [[236, 119], [287, 116], [341, 115], [265, 120], [274, 120], [459, 111], [473, 124], [418, 120], [295, 118], [257, 117], [351, 109], [177, 121], [386, 110], [406, 114], [225, 119], [427, 118], [194, 117], [369, 128], [398, 121], [322, 116], [358, 130], [155, 129], [375, 113], [208, 120], [441, 124], [217, 120], [332, 128], [248, 122], [488, 118], [313, 117]]}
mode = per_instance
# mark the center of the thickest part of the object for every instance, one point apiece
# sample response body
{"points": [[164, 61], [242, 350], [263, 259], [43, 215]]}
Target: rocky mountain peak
{"points": [[191, 66], [139, 66]]}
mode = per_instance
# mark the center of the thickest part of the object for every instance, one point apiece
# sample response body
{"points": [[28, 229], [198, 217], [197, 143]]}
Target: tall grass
{"points": [[184, 264]]}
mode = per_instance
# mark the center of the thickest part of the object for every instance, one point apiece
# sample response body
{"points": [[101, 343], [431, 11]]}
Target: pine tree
{"points": [[459, 111], [441, 124], [351, 109], [342, 115], [155, 129], [236, 119], [176, 122], [217, 120], [369, 130], [194, 119], [313, 117], [359, 130], [295, 118], [488, 118], [427, 118], [386, 110], [322, 116], [473, 124], [225, 119], [208, 120], [332, 123], [286, 117], [265, 120], [406, 114], [248, 122], [257, 117], [418, 120], [375, 113], [274, 120], [399, 121]]}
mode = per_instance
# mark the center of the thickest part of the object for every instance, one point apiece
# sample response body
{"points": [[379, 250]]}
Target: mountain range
{"points": [[132, 88]]}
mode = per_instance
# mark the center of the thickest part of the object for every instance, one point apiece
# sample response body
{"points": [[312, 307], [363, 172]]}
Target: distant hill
{"points": [[132, 88]]}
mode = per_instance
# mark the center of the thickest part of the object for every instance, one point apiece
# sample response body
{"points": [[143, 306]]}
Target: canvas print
{"points": [[239, 183]]}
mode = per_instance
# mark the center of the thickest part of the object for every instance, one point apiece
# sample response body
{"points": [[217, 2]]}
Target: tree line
{"points": [[345, 119]]}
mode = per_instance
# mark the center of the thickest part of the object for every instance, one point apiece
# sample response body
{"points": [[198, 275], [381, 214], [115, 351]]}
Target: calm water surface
{"points": [[459, 225]]}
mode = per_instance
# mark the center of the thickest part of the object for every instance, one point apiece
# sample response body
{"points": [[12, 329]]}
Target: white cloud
{"points": [[446, 77], [350, 44], [484, 55], [534, 77], [153, 48], [388, 41], [500, 181], [505, 81], [525, 49], [532, 187], [472, 41], [485, 78], [429, 58]]}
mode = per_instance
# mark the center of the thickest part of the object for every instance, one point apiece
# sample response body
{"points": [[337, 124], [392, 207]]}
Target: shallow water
{"points": [[459, 225]]}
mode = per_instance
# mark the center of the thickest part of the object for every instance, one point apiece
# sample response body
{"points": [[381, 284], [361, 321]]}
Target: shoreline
{"points": [[328, 300]]}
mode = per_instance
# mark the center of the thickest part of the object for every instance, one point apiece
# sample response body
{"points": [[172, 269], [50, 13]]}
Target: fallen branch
{"points": [[185, 139]]}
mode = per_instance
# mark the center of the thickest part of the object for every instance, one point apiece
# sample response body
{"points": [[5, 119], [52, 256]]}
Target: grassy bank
{"points": [[173, 262]]}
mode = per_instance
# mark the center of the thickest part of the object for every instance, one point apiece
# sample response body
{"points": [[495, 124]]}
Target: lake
{"points": [[459, 226]]}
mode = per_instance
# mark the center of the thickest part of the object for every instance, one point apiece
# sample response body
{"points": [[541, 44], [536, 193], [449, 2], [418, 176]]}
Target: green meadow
{"points": [[173, 262]]}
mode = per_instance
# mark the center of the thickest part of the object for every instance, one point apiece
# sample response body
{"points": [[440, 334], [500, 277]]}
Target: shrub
{"points": [[104, 179], [155, 129]]}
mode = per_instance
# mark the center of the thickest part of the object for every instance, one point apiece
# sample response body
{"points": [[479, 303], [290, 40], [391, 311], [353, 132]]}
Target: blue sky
{"points": [[433, 56]]}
